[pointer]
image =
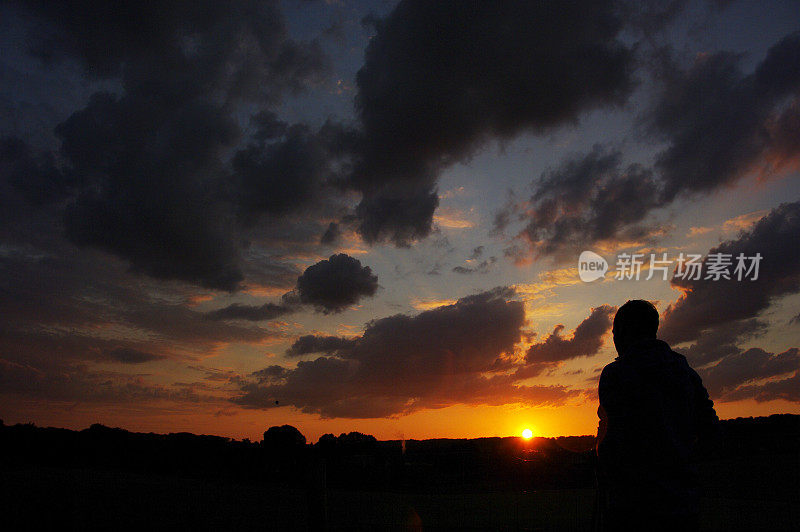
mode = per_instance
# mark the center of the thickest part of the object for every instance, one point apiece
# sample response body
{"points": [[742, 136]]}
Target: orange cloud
{"points": [[744, 221], [697, 231], [548, 281], [452, 219], [428, 304]]}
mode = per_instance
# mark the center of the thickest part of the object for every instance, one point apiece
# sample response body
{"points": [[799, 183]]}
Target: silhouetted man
{"points": [[653, 409]]}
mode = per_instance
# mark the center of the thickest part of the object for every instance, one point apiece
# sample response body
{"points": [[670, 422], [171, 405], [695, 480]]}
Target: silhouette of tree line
{"points": [[355, 460]]}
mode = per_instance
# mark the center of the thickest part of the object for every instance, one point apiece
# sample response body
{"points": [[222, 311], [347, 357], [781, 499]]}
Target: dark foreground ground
{"points": [[740, 496], [753, 485]]}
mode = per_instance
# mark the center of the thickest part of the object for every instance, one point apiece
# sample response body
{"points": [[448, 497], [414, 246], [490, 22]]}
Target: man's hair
{"points": [[636, 318]]}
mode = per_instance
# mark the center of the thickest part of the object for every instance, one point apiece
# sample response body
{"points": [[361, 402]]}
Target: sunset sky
{"points": [[367, 216]]}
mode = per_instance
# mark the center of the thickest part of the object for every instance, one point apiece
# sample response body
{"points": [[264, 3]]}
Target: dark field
{"points": [[752, 485], [740, 495]]}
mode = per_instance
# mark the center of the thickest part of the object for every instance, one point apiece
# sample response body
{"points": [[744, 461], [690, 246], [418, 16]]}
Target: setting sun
{"points": [[527, 434]]}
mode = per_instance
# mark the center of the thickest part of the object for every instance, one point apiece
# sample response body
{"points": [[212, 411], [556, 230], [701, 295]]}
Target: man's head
{"points": [[636, 320]]}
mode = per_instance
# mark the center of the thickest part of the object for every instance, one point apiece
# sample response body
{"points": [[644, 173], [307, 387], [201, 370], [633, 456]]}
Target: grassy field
{"points": [[741, 495]]}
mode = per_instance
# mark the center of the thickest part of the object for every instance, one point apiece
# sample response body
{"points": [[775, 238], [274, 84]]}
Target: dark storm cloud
{"points": [[336, 283], [585, 200], [403, 363], [586, 341], [290, 170], [164, 178], [61, 307], [331, 234], [785, 135], [483, 267], [787, 389], [51, 366], [718, 316], [185, 48], [237, 311], [149, 160], [721, 123], [270, 373], [44, 292], [35, 177], [401, 213], [65, 311], [735, 376], [50, 352], [649, 16], [719, 342], [440, 78], [708, 304], [329, 345], [127, 355], [181, 324], [80, 385], [146, 190], [330, 285]]}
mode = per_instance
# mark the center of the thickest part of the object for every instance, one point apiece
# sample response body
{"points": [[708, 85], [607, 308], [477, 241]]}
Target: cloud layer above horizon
{"points": [[344, 209]]}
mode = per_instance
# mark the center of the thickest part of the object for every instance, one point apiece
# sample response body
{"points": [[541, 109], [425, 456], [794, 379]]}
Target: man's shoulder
{"points": [[611, 367], [677, 355], [613, 385], [611, 370], [682, 361]]}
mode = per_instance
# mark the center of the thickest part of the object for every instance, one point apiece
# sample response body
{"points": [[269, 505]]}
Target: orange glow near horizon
{"points": [[458, 421]]}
